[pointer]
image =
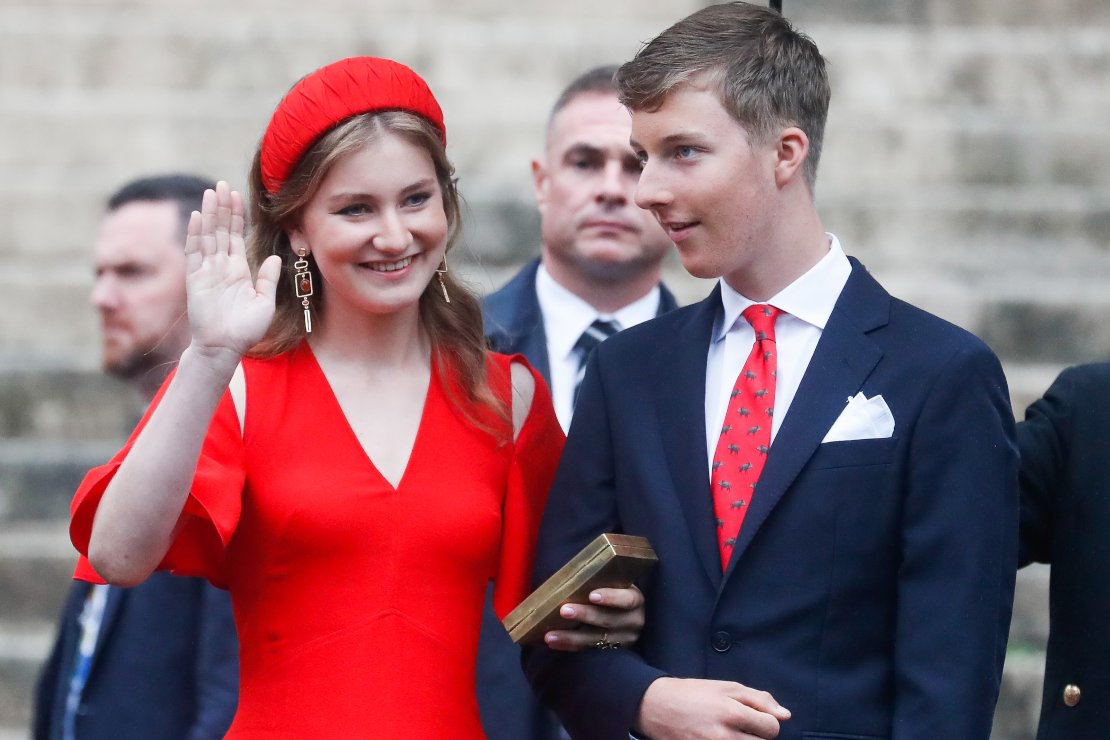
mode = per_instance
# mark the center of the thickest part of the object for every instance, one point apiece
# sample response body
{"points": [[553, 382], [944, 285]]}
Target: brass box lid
{"points": [[610, 561]]}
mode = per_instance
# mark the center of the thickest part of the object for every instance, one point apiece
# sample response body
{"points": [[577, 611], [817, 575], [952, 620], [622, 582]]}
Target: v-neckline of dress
{"points": [[337, 407]]}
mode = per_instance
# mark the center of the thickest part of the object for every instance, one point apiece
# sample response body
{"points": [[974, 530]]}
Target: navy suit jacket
{"points": [[166, 665], [509, 709], [871, 587], [1065, 521]]}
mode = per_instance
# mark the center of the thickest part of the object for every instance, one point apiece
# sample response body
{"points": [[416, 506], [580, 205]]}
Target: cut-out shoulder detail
{"points": [[524, 389], [238, 387]]}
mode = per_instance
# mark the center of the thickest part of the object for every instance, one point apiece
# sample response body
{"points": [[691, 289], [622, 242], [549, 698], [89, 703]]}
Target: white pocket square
{"points": [[862, 418]]}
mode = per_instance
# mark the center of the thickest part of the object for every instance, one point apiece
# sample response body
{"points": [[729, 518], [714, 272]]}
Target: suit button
{"points": [[1072, 695], [721, 641]]}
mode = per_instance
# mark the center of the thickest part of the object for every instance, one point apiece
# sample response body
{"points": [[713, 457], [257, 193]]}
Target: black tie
{"points": [[595, 334]]}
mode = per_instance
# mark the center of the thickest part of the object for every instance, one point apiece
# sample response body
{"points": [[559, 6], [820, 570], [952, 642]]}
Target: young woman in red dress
{"points": [[353, 464]]}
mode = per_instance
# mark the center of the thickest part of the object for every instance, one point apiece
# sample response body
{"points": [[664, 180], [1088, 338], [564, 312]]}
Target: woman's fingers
{"points": [[238, 225], [268, 273], [220, 226], [223, 218], [192, 243]]}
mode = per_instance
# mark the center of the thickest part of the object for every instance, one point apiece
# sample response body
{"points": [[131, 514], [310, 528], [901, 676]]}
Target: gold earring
{"points": [[440, 272], [302, 282]]}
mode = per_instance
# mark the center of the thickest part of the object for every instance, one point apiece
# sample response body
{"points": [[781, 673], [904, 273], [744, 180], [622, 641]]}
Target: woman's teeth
{"points": [[391, 266]]}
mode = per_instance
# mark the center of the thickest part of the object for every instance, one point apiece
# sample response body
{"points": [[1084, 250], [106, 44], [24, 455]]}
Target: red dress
{"points": [[358, 605]]}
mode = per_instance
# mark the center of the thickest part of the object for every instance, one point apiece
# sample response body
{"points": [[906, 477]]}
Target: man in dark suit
{"points": [[159, 660], [600, 262], [601, 254], [827, 474], [1065, 521]]}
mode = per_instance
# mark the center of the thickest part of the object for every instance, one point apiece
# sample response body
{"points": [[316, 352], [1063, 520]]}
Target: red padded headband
{"points": [[332, 94]]}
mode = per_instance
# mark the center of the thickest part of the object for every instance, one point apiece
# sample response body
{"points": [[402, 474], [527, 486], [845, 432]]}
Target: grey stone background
{"points": [[967, 164]]}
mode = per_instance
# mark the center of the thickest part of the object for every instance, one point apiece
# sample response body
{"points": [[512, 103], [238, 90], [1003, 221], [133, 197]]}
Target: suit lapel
{"points": [[682, 424], [514, 322], [667, 302], [842, 361]]}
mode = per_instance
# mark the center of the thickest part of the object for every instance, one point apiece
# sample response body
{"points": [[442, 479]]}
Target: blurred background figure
{"points": [[1065, 522], [159, 660], [598, 272]]}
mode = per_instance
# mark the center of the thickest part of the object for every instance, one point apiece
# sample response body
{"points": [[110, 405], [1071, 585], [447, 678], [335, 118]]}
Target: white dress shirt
{"points": [[807, 302], [565, 317]]}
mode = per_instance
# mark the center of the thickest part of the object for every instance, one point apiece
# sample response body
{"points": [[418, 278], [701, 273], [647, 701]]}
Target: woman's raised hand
{"points": [[228, 310]]}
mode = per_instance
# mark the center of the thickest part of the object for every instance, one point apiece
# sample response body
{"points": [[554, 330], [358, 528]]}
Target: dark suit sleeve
{"points": [[1043, 439], [217, 668], [959, 553], [595, 693]]}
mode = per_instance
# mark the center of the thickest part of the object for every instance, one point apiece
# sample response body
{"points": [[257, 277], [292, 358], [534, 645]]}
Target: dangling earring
{"points": [[302, 281], [442, 285]]}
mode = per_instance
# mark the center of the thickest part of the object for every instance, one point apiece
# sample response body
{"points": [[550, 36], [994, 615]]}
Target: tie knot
{"points": [[762, 318], [595, 334]]}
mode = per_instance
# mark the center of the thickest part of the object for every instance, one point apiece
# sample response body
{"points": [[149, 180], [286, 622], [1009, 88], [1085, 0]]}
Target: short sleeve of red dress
{"points": [[211, 512], [535, 456]]}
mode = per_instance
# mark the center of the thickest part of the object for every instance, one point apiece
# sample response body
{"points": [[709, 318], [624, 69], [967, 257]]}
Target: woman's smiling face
{"points": [[376, 227]]}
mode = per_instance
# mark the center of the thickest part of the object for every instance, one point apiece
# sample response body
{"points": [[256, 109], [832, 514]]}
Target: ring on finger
{"points": [[604, 644]]}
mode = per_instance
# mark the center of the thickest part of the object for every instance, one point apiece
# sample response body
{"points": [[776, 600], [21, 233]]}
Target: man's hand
{"points": [[613, 618], [699, 709]]}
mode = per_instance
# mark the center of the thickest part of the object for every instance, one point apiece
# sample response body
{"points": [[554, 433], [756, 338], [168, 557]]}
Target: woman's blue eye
{"points": [[685, 152], [418, 199], [355, 209]]}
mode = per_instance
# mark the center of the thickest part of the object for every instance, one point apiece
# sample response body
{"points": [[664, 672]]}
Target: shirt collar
{"points": [[575, 315], [810, 298]]}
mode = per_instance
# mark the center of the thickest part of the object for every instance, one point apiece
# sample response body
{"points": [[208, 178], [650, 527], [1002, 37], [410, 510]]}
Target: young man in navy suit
{"points": [[160, 660], [827, 474], [600, 262]]}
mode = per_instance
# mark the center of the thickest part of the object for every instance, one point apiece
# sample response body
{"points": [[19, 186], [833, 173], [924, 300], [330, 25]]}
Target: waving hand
{"points": [[228, 310]]}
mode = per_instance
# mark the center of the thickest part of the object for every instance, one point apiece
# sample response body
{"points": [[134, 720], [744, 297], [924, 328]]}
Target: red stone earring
{"points": [[440, 272], [303, 284]]}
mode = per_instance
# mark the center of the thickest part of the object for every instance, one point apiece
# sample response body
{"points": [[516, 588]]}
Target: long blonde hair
{"points": [[454, 329]]}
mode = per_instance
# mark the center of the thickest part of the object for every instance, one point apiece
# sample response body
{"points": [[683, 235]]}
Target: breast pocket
{"points": [[854, 453]]}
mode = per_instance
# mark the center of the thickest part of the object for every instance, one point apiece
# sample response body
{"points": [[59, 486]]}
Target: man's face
{"points": [[584, 190], [139, 289], [713, 191]]}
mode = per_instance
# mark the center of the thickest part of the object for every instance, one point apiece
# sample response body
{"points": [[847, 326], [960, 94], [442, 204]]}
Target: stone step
{"points": [[38, 477], [23, 648], [36, 569], [1029, 626], [960, 148], [1038, 70], [1019, 701], [41, 401]]}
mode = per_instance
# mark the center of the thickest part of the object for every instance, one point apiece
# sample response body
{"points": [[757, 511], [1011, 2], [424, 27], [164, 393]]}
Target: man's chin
{"points": [[127, 367]]}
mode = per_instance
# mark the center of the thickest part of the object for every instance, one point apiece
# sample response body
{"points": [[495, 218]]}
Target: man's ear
{"points": [[540, 182], [791, 150]]}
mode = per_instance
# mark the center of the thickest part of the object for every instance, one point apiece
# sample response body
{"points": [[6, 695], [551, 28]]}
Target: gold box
{"points": [[610, 561]]}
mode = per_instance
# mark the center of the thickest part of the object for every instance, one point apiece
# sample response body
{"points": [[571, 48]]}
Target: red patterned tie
{"points": [[746, 431]]}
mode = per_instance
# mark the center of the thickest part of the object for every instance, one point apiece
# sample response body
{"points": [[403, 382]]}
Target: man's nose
{"points": [[104, 294], [614, 188], [651, 191]]}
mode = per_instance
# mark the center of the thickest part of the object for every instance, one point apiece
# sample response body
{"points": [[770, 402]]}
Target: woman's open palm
{"points": [[228, 309]]}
